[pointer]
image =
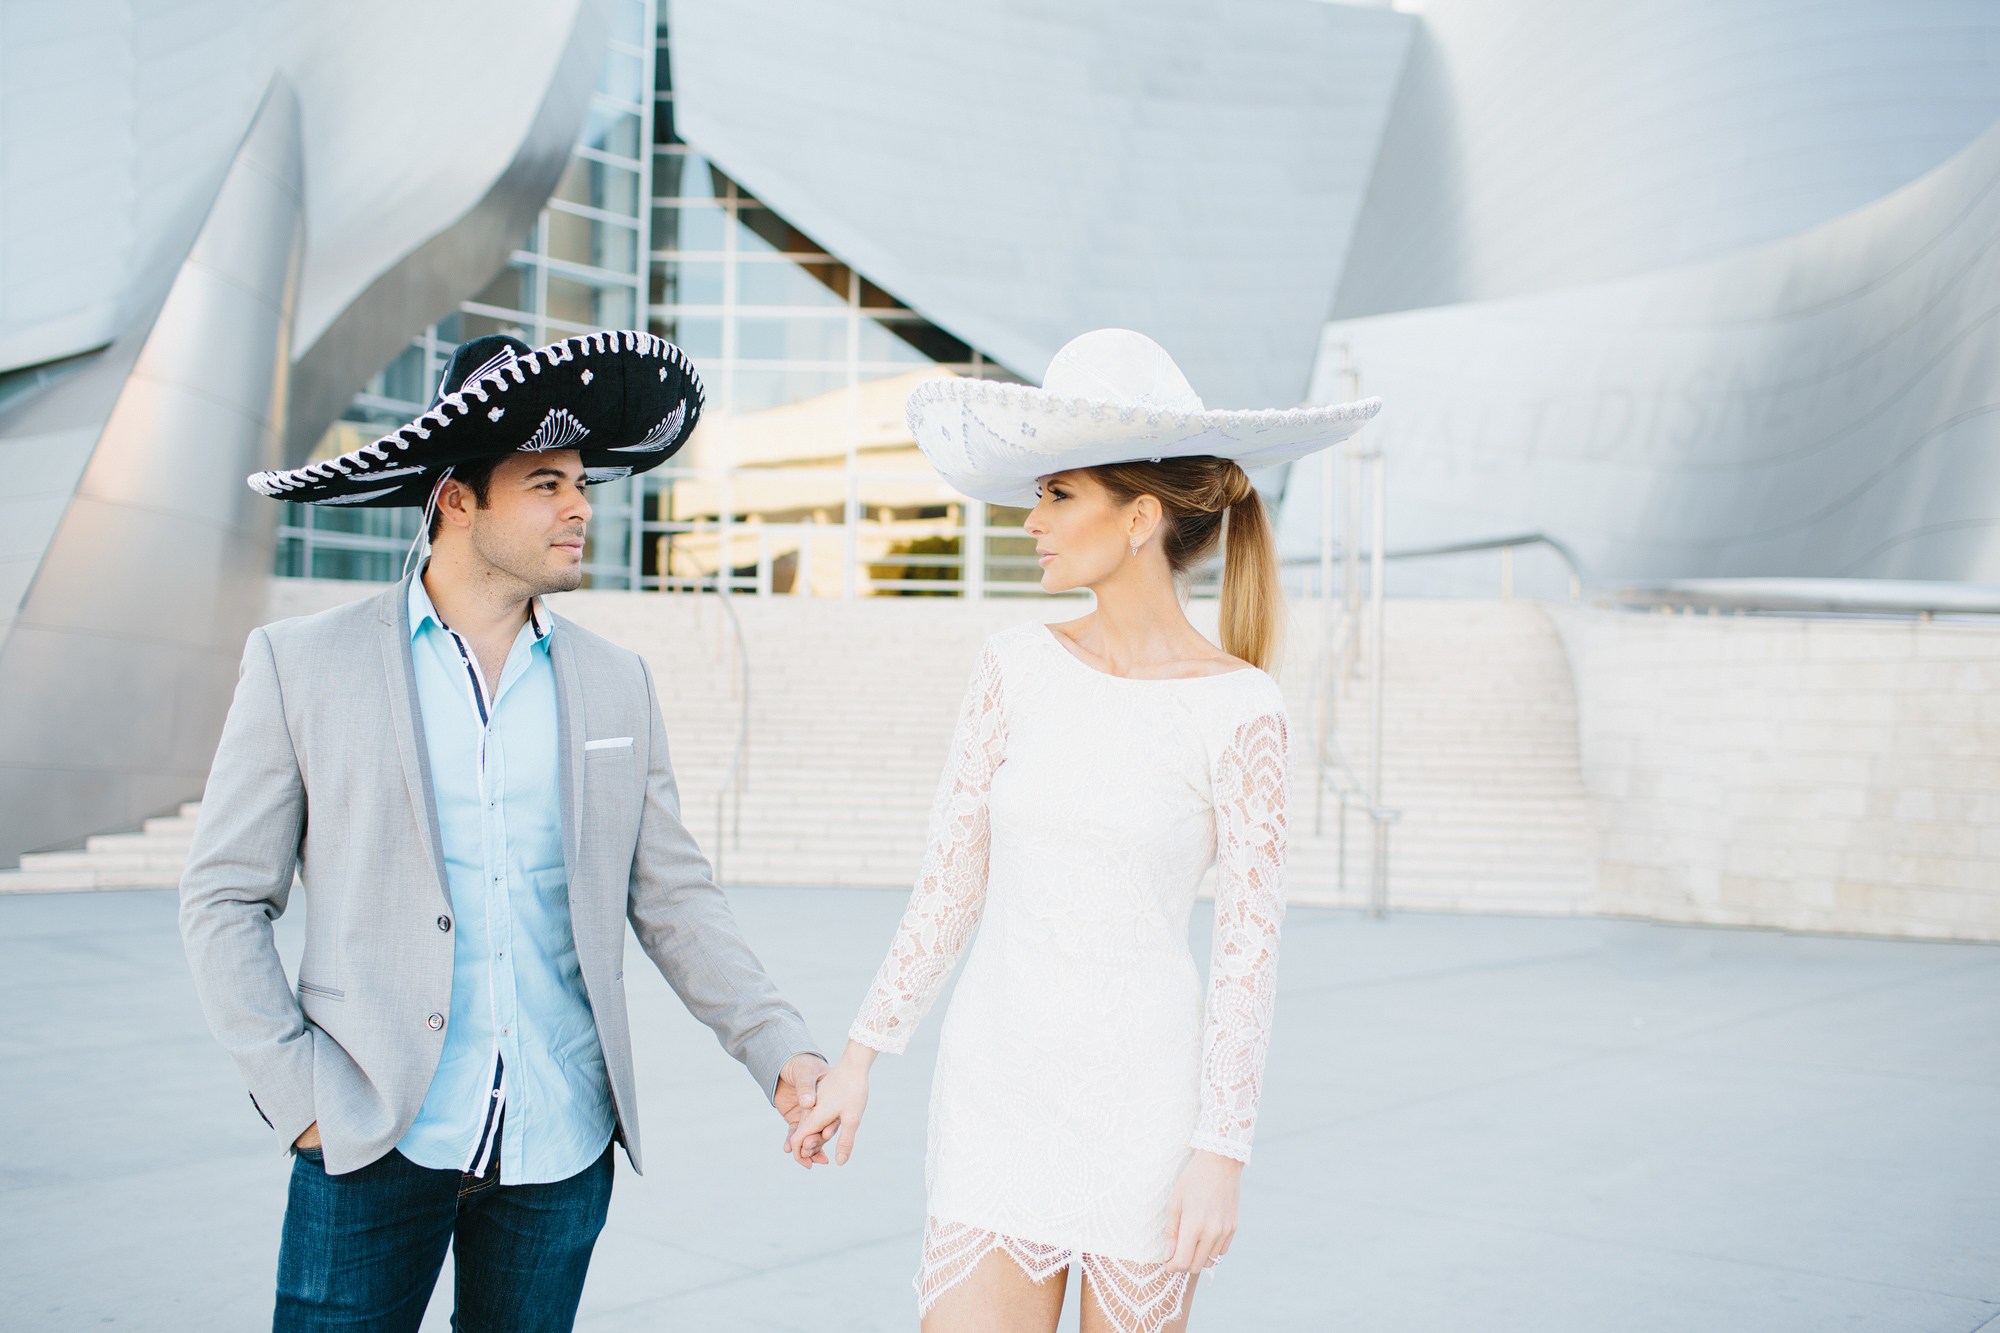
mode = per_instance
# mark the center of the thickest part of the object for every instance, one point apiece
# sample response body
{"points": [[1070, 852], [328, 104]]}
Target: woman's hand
{"points": [[1201, 1220], [843, 1096]]}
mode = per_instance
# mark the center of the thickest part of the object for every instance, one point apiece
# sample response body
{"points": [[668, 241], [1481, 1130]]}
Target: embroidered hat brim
{"points": [[625, 400], [991, 440]]}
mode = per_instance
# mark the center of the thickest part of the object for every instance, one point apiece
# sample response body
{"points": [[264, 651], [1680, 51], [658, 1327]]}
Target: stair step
{"points": [[70, 881], [179, 826]]}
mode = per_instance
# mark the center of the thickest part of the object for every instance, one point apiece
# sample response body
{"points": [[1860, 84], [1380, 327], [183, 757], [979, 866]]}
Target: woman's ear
{"points": [[1144, 519]]}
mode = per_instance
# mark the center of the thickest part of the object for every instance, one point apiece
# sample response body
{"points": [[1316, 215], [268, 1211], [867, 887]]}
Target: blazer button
{"points": [[444, 923], [436, 1021]]}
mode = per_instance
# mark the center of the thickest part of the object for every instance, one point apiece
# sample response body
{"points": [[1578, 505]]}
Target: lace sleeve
{"points": [[951, 888], [1251, 778]]}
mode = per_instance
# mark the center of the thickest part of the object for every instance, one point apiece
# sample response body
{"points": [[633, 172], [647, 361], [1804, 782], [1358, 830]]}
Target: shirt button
{"points": [[444, 923], [436, 1021]]}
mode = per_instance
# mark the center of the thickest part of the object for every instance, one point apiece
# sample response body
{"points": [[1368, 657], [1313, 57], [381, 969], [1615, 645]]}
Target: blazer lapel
{"points": [[569, 743], [407, 721]]}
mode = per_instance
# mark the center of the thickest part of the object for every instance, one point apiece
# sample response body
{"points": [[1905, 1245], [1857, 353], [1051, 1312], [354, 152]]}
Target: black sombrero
{"points": [[626, 401]]}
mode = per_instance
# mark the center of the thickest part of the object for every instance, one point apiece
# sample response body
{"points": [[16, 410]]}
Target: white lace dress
{"points": [[1077, 1071]]}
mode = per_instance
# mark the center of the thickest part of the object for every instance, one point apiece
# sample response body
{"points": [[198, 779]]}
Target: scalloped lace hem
{"points": [[1134, 1297]]}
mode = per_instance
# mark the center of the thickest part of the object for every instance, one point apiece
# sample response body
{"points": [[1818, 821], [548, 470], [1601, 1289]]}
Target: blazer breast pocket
{"points": [[611, 747]]}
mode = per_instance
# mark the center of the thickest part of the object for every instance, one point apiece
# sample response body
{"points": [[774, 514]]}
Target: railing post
{"points": [[1378, 878], [725, 535], [850, 536], [1323, 680], [1340, 880], [1350, 565], [1378, 688], [972, 550], [737, 775]]}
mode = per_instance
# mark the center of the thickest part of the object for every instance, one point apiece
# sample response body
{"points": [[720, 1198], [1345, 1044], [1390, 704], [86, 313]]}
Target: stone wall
{"points": [[1809, 774]]}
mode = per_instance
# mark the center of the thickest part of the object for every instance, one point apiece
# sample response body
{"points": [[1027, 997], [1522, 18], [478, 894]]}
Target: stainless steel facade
{"points": [[121, 658], [1822, 406], [1025, 172], [207, 237], [1544, 144]]}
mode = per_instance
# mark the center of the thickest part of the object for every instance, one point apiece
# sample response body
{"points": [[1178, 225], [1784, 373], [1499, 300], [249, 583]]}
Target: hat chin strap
{"points": [[422, 541]]}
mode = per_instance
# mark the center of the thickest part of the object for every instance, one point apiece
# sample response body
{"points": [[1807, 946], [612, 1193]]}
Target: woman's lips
{"points": [[1042, 558]]}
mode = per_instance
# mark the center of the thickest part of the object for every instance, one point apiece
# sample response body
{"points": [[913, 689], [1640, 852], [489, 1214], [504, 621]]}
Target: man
{"points": [[476, 796]]}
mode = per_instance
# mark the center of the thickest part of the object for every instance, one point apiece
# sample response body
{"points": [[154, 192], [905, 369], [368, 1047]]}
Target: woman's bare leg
{"points": [[997, 1297], [1096, 1321]]}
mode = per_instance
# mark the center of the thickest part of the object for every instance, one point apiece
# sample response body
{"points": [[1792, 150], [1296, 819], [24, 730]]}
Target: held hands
{"points": [[1201, 1220], [798, 1089], [842, 1097]]}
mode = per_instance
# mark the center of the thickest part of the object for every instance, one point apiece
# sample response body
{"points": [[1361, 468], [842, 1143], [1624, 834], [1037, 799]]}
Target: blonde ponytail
{"points": [[1252, 599], [1199, 498]]}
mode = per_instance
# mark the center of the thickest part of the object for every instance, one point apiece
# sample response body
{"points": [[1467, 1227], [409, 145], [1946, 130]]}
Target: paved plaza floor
{"points": [[1470, 1124]]}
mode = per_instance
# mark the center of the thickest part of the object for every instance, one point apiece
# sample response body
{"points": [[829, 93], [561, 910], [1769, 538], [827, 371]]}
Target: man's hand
{"points": [[798, 1092], [309, 1139]]}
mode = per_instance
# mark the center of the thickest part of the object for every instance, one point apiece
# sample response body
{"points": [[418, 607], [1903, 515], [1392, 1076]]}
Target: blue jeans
{"points": [[363, 1250]]}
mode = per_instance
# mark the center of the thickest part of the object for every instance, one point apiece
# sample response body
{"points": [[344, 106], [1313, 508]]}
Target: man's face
{"points": [[531, 527]]}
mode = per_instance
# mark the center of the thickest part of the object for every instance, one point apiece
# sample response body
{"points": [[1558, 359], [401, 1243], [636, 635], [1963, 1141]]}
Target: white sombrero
{"points": [[1113, 396]]}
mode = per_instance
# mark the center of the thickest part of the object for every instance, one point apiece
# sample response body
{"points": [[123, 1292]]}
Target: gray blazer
{"points": [[323, 769]]}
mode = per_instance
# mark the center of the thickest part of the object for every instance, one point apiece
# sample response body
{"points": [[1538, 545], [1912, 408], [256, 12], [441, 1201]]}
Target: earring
{"points": [[1135, 549]]}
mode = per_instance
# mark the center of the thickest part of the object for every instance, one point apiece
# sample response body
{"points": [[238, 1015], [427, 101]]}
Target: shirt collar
{"points": [[422, 613]]}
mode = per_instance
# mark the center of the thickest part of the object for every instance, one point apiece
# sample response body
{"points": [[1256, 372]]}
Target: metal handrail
{"points": [[1347, 784], [733, 780], [1330, 760], [1579, 580], [1338, 773], [1793, 596]]}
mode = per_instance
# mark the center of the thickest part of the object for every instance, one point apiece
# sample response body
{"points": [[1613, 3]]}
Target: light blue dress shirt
{"points": [[521, 1035]]}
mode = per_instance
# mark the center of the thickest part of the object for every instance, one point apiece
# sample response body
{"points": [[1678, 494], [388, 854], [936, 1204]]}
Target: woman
{"points": [[1084, 1112]]}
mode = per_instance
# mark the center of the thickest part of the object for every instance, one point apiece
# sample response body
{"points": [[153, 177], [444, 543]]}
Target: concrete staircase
{"points": [[1480, 756], [148, 860], [853, 704]]}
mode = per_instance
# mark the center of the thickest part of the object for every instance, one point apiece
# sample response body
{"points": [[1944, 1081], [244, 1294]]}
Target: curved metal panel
{"points": [[427, 283], [1824, 406], [127, 639], [1022, 172], [1538, 144], [117, 122]]}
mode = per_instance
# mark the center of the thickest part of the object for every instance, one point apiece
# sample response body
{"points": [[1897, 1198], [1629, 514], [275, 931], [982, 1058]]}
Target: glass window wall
{"points": [[802, 478]]}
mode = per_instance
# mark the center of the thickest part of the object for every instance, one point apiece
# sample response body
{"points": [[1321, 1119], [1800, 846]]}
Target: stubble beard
{"points": [[528, 563]]}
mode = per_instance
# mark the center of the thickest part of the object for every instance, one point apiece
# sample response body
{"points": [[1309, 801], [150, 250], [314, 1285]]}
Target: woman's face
{"points": [[1082, 536]]}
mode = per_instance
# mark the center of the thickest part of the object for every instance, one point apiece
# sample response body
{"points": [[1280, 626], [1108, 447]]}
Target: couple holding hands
{"points": [[475, 797]]}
